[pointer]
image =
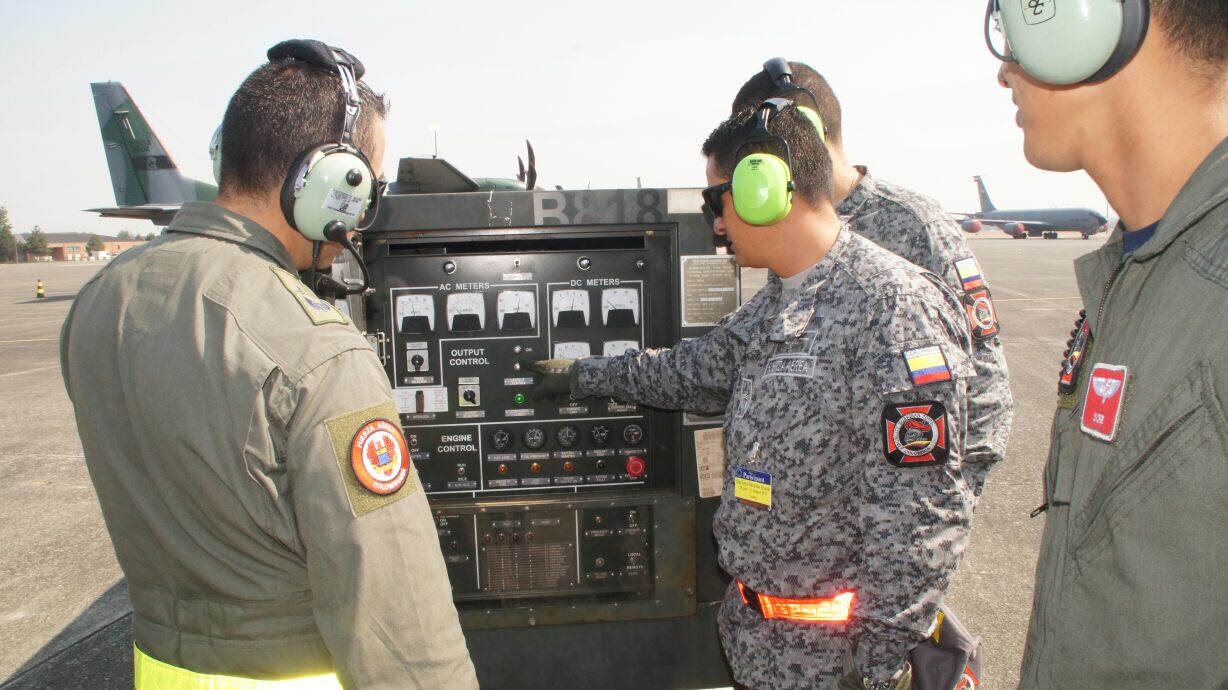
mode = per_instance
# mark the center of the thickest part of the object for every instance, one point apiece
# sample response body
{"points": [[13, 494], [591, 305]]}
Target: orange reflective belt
{"points": [[151, 674], [835, 609]]}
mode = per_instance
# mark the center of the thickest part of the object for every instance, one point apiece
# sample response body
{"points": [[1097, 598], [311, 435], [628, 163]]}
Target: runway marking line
{"points": [[29, 371], [1034, 299], [35, 340]]}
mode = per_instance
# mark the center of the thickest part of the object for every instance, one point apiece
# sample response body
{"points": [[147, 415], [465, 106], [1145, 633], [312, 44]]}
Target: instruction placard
{"points": [[709, 289]]}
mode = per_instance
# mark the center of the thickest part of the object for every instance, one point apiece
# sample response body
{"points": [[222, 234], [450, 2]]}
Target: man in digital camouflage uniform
{"points": [[915, 227], [1132, 579], [845, 507], [242, 437]]}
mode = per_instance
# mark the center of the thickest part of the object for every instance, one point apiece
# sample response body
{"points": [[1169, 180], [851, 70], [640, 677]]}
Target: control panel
{"points": [[462, 325]]}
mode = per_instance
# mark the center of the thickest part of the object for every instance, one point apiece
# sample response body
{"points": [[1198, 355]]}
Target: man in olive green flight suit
{"points": [[242, 437], [1132, 580]]}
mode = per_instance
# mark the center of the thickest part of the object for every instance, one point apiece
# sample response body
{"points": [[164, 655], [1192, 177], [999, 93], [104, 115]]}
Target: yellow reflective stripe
{"points": [[151, 674]]}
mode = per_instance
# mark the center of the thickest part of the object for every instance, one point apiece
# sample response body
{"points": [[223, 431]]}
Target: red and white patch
{"points": [[915, 434], [982, 317], [1103, 401], [379, 457]]}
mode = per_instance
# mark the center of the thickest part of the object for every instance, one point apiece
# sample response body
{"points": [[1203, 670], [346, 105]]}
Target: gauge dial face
{"points": [[571, 350], [421, 306], [502, 439], [571, 305], [534, 437], [466, 311], [613, 348], [622, 303], [517, 310], [567, 435], [632, 433]]}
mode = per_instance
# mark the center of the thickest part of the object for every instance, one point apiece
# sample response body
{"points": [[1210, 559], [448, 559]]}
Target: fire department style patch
{"points": [[379, 457], [372, 457], [982, 317], [915, 434], [1103, 401]]}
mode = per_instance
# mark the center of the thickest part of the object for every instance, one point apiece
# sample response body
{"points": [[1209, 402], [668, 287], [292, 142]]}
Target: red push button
{"points": [[636, 467]]}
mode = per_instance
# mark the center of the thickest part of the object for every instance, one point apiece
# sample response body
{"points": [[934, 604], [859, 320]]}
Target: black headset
{"points": [[781, 74]]}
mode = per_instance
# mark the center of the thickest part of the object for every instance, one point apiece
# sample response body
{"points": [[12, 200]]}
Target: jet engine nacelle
{"points": [[1017, 230], [972, 225]]}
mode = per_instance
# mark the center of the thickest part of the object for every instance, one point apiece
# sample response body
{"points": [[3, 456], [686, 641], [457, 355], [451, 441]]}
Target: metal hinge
{"points": [[377, 341]]}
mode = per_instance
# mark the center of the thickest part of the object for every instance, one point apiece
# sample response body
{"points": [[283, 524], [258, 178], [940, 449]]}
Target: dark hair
{"points": [[760, 87], [811, 169], [282, 109], [1198, 28]]}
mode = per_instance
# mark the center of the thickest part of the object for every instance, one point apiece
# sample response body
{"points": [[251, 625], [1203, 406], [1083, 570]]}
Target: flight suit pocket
{"points": [[1186, 427]]}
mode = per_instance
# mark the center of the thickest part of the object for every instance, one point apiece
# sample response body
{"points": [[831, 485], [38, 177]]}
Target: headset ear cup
{"points": [[1075, 41], [336, 184], [762, 189]]}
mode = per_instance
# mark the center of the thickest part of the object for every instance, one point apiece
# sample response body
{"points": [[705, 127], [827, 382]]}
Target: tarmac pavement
{"points": [[64, 614]]}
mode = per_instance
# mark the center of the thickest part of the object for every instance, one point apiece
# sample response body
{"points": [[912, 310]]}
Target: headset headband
{"points": [[330, 59], [781, 74]]}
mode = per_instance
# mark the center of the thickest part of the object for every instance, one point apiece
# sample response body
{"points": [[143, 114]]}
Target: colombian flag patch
{"points": [[969, 273], [927, 365]]}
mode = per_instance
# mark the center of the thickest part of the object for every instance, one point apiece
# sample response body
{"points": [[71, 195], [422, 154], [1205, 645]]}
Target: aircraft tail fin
{"points": [[142, 172], [986, 204]]}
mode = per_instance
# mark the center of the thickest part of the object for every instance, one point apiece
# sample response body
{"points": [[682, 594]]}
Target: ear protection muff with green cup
{"points": [[330, 186], [762, 183], [781, 74], [215, 154], [1064, 42]]}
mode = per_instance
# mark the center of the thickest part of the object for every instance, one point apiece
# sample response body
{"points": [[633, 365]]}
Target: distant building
{"points": [[70, 246]]}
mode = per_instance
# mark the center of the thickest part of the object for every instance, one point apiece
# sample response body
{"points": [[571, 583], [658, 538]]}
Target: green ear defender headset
{"points": [[1068, 41], [215, 154], [781, 74], [762, 184], [330, 186]]}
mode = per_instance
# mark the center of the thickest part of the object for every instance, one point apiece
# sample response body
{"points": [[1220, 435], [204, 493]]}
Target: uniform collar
{"points": [[859, 194], [211, 220], [797, 306], [1206, 189]]}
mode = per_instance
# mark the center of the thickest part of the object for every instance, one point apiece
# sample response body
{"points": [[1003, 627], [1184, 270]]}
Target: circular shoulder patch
{"points": [[379, 457]]}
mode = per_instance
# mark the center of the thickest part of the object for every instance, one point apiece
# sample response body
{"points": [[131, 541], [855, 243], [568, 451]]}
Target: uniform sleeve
{"points": [[695, 375], [382, 599], [916, 506]]}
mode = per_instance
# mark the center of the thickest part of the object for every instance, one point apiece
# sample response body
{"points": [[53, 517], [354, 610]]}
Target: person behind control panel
{"points": [[243, 439], [916, 228], [845, 508], [1130, 583]]}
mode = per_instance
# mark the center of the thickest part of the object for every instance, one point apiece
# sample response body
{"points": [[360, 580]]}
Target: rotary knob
{"points": [[567, 436], [502, 438], [534, 438], [600, 434], [632, 433]]}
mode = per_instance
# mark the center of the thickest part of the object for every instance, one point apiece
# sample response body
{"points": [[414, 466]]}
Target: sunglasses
{"points": [[377, 193], [713, 202]]}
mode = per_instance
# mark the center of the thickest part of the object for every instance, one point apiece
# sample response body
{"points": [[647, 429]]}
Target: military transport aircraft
{"points": [[146, 181], [1040, 222], [148, 185]]}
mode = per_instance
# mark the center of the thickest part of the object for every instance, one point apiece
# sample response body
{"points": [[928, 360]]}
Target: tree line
{"points": [[36, 240]]}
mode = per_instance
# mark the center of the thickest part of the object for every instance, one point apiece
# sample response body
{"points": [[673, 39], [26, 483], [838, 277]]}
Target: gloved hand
{"points": [[853, 681], [555, 383]]}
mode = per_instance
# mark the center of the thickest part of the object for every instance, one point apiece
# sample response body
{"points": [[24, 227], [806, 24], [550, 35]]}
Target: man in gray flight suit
{"points": [[241, 434], [1132, 580], [916, 228], [845, 506]]}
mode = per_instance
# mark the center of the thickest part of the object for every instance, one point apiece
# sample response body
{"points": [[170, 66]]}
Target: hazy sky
{"points": [[605, 91]]}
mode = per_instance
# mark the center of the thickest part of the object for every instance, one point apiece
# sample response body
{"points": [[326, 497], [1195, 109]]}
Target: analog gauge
{"points": [[567, 436], [534, 438], [517, 310], [613, 348], [620, 307], [570, 307], [632, 433], [466, 311], [571, 350], [502, 438], [600, 434], [416, 313]]}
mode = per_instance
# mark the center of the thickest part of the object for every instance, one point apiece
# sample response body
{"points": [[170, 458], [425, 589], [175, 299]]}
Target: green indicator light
{"points": [[520, 398]]}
